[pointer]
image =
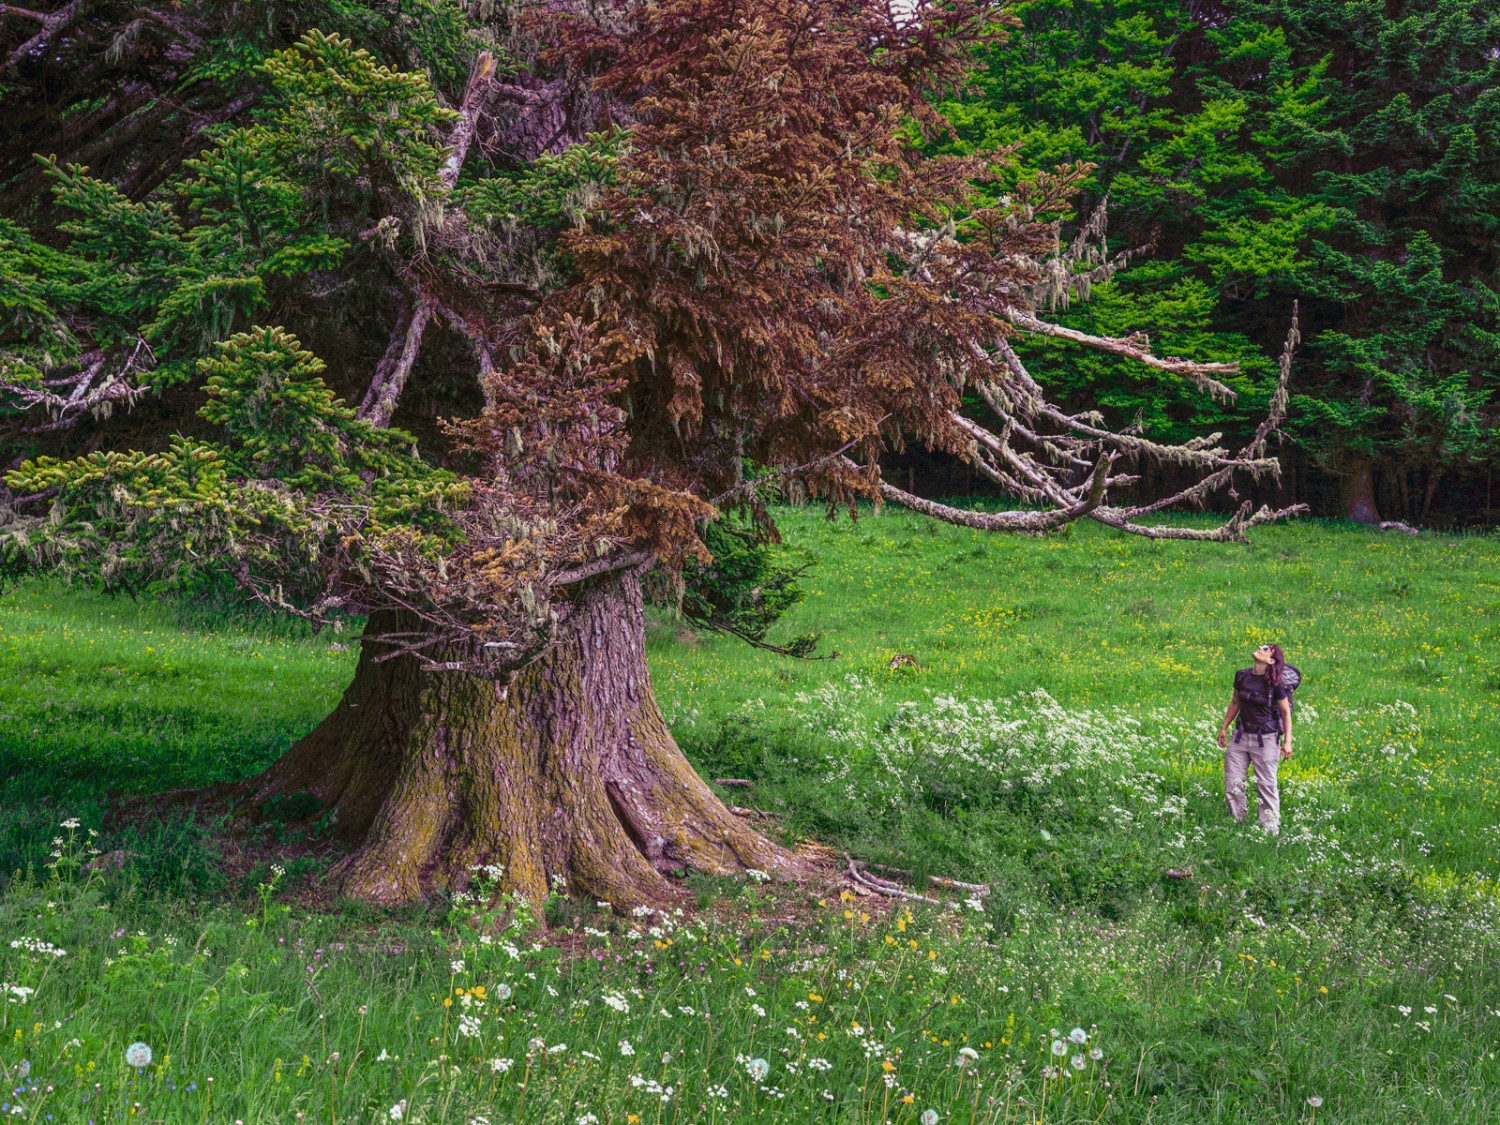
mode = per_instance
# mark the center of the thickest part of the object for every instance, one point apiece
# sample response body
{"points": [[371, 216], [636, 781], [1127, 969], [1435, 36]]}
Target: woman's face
{"points": [[1264, 655]]}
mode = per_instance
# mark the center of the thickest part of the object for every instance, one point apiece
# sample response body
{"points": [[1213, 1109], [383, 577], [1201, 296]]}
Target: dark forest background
{"points": [[1344, 154]]}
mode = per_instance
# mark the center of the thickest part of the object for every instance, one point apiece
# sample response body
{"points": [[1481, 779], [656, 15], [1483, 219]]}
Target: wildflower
{"points": [[929, 1117], [468, 1026], [500, 1066], [138, 1055], [557, 1048], [1315, 1101], [1079, 1036], [1078, 1062], [588, 1119], [71, 822], [398, 1111], [502, 992], [966, 1055], [457, 966], [1403, 1009], [1059, 1047], [1095, 1053], [1430, 1009], [617, 1002], [758, 1010], [757, 1069]]}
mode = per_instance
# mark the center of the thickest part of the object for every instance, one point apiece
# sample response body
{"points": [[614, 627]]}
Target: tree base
{"points": [[567, 772]]}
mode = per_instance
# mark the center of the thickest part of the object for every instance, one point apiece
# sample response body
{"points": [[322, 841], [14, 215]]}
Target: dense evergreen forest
{"points": [[1251, 153]]}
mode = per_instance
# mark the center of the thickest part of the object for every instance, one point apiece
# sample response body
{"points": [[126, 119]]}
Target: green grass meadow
{"points": [[1054, 740]]}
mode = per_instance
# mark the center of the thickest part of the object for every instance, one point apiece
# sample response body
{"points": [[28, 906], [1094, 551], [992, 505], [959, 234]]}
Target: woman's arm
{"points": [[1234, 709], [1286, 725]]}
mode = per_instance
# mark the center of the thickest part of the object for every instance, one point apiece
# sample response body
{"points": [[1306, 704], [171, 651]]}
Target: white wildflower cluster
{"points": [[653, 1087], [16, 993], [38, 948], [468, 1026], [971, 746], [616, 1001]]}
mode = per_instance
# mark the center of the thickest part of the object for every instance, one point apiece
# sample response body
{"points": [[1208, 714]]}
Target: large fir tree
{"points": [[648, 264]]}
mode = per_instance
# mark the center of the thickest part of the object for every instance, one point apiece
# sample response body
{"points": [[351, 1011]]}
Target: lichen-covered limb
{"points": [[1136, 348], [97, 384], [1065, 460], [51, 24]]}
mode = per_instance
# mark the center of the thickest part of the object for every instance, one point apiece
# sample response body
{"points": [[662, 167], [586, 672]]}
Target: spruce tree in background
{"points": [[1343, 152]]}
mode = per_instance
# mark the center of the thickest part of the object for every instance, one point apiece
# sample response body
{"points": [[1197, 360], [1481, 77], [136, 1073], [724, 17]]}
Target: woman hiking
{"points": [[1261, 705]]}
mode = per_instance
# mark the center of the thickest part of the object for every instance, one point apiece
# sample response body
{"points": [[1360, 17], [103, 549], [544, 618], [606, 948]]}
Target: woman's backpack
{"points": [[1290, 679]]}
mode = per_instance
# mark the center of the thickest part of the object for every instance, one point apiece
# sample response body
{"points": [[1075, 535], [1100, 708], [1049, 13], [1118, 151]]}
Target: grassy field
{"points": [[1054, 739]]}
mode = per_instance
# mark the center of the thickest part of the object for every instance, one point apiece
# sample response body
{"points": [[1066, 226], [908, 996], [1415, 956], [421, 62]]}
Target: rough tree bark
{"points": [[1358, 491], [569, 770]]}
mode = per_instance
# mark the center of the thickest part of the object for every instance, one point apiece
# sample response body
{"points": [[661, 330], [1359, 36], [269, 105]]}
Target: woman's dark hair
{"points": [[1278, 662]]}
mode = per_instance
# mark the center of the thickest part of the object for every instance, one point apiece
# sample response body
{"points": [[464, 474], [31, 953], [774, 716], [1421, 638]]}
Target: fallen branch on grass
{"points": [[879, 886], [761, 814]]}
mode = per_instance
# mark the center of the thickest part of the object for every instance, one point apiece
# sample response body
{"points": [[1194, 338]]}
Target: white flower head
{"points": [[1095, 1053], [502, 992], [398, 1111], [138, 1055], [1078, 1062], [1079, 1036], [758, 1069], [626, 1048], [929, 1117], [1315, 1101], [1059, 1047], [71, 822], [457, 966]]}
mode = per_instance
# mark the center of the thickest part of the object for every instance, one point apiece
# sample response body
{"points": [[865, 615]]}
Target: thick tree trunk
{"points": [[1358, 491], [569, 770]]}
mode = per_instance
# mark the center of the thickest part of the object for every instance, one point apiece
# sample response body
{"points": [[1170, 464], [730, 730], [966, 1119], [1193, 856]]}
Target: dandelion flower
{"points": [[758, 1069], [929, 1117], [138, 1055], [1315, 1101], [1095, 1053], [1059, 1047], [1078, 1062], [1079, 1036], [502, 992]]}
